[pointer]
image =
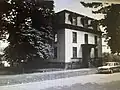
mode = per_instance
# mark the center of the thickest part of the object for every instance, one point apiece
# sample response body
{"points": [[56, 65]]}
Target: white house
{"points": [[77, 43]]}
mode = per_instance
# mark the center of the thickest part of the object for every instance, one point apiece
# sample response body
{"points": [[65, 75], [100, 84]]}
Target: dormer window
{"points": [[94, 24], [70, 18], [84, 21], [73, 19], [90, 24]]}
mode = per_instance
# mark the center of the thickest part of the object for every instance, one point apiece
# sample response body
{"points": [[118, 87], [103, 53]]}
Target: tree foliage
{"points": [[29, 25], [111, 22], [107, 57]]}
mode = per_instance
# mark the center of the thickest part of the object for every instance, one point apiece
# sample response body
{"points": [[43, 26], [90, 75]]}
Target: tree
{"points": [[29, 26], [110, 22]]}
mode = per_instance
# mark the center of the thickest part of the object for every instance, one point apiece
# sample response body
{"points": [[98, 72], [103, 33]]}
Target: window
{"points": [[74, 52], [56, 38], [95, 39], [74, 37], [55, 52], [86, 38]]}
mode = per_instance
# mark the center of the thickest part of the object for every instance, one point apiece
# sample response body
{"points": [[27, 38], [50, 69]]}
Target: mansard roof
{"points": [[68, 11]]}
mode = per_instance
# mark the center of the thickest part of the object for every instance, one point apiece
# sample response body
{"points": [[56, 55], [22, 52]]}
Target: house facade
{"points": [[78, 41], [105, 47]]}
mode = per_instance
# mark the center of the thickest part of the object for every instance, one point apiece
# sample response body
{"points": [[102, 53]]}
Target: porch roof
{"points": [[89, 45]]}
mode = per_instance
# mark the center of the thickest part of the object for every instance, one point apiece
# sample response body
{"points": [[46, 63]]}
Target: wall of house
{"points": [[60, 18], [60, 46], [69, 44], [80, 40], [65, 39]]}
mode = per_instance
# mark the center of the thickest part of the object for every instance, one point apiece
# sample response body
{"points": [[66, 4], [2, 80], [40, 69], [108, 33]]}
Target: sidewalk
{"points": [[37, 77], [60, 83]]}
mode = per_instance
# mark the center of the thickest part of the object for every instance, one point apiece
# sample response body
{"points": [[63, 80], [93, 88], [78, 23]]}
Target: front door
{"points": [[85, 56]]}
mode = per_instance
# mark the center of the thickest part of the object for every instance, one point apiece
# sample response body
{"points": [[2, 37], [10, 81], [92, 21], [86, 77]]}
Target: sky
{"points": [[76, 6]]}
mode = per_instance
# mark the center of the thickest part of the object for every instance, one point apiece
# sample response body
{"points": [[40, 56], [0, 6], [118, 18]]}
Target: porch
{"points": [[78, 63]]}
